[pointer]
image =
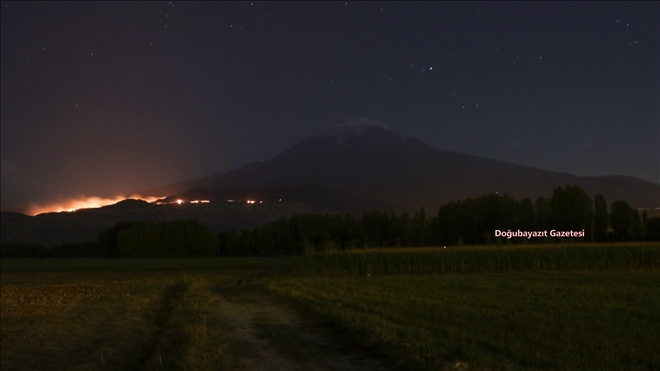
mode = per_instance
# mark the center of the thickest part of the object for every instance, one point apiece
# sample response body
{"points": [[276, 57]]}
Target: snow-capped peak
{"points": [[353, 126]]}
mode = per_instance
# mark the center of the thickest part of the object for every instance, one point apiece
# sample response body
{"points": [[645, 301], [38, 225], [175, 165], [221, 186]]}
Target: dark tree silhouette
{"points": [[108, 239], [601, 219], [571, 209], [653, 229], [621, 220]]}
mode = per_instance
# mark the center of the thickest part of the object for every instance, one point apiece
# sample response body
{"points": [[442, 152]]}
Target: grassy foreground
{"points": [[473, 308], [594, 309], [91, 314], [526, 321]]}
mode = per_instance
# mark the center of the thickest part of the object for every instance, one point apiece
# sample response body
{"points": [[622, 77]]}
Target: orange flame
{"points": [[82, 202]]}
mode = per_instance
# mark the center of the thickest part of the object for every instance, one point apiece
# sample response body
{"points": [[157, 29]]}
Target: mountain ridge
{"points": [[375, 163], [351, 169]]}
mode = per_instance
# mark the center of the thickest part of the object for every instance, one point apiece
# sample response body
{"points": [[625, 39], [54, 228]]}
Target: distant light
{"points": [[179, 202]]}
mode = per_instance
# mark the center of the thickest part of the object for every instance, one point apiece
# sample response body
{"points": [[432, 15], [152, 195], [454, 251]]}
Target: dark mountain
{"points": [[366, 160], [357, 165], [320, 198]]}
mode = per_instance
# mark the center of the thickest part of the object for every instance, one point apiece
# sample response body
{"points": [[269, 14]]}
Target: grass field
{"points": [[484, 259], [512, 321], [470, 308], [537, 307], [88, 314]]}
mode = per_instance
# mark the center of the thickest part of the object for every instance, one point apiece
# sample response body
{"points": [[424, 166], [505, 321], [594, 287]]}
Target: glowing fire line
{"points": [[82, 202]]}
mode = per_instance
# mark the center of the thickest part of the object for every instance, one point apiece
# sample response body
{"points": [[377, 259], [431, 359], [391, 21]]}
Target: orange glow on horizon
{"points": [[82, 202]]}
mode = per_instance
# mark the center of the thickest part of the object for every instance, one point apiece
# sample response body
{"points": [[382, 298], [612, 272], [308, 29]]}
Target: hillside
{"points": [[367, 160]]}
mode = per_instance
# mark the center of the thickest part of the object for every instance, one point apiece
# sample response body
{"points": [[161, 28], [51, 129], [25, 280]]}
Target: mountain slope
{"points": [[367, 160], [52, 229], [355, 166]]}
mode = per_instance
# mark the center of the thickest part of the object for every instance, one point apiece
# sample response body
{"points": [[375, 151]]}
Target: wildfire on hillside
{"points": [[82, 202]]}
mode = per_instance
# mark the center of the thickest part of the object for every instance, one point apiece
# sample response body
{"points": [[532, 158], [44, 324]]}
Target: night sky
{"points": [[102, 98]]}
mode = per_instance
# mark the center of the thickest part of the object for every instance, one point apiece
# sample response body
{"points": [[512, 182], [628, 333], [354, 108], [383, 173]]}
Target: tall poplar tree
{"points": [[571, 209], [621, 219], [601, 218]]}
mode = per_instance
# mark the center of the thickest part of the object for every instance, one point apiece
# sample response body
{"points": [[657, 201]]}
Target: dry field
{"points": [[474, 308], [115, 320]]}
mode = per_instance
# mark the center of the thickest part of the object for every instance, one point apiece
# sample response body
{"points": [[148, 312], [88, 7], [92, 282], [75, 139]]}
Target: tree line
{"points": [[472, 221], [179, 238], [321, 232], [461, 222], [468, 221]]}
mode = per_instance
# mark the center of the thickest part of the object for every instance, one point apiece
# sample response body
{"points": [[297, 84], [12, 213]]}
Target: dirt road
{"points": [[280, 338]]}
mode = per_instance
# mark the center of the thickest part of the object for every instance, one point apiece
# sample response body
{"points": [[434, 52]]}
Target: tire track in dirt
{"points": [[283, 340]]}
